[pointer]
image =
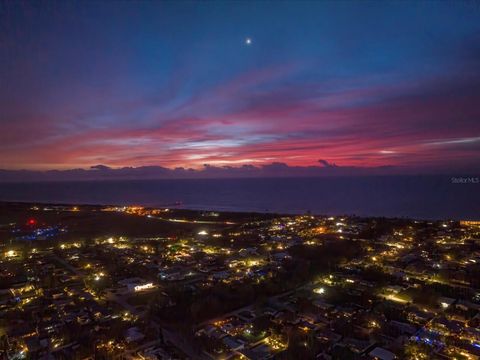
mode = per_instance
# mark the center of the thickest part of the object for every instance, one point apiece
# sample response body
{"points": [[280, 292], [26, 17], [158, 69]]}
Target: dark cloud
{"points": [[278, 169], [100, 167], [325, 163]]}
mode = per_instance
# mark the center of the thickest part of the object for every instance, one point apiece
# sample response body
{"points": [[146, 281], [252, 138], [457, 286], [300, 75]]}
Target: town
{"points": [[130, 282]]}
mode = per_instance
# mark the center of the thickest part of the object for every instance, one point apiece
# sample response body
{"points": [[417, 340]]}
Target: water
{"points": [[421, 197]]}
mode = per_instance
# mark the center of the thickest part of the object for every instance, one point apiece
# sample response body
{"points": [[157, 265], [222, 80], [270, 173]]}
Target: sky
{"points": [[231, 84]]}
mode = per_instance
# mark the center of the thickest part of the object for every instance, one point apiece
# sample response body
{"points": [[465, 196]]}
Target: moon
{"points": [[248, 41]]}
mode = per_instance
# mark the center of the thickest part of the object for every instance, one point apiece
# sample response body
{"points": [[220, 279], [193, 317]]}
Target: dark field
{"points": [[91, 221]]}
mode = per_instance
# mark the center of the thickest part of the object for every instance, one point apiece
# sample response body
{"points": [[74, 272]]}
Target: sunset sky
{"points": [[183, 84]]}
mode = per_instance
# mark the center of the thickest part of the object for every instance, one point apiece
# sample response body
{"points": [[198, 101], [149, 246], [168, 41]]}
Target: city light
{"points": [[213, 266], [319, 291], [11, 253], [144, 287]]}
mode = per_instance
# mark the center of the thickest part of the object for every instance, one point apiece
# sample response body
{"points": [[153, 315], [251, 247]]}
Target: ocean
{"points": [[419, 197]]}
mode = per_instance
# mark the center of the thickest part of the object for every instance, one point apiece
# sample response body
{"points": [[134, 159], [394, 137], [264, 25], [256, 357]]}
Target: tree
{"points": [[417, 351]]}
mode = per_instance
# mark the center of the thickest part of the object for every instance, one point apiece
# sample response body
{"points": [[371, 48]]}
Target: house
{"points": [[232, 343], [133, 334], [381, 354]]}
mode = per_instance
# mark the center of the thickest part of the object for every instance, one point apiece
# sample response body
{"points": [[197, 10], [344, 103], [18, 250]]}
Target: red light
{"points": [[32, 222]]}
